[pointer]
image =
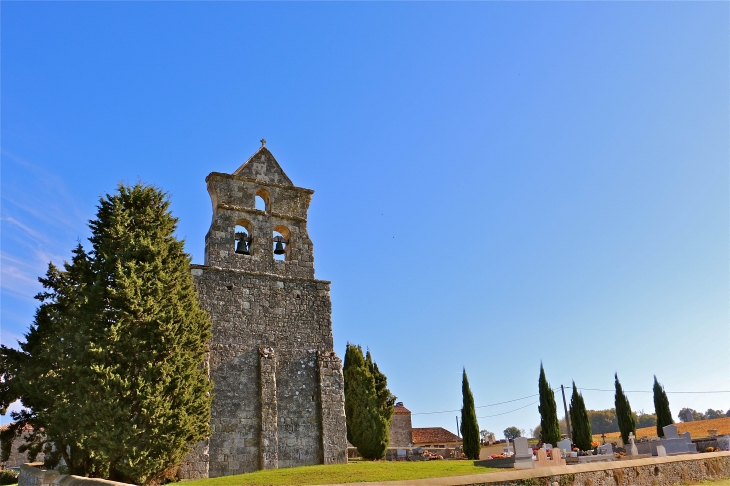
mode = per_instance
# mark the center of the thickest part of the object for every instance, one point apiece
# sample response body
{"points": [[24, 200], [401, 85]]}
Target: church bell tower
{"points": [[278, 385]]}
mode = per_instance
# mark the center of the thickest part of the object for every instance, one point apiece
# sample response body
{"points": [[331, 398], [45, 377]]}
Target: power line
{"points": [[508, 401], [483, 406], [651, 391], [510, 411], [555, 389]]}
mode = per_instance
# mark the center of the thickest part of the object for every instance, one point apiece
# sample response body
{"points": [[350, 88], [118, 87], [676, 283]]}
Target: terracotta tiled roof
{"points": [[399, 409], [430, 435], [26, 428]]}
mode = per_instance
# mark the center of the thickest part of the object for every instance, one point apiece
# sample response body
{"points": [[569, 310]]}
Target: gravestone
{"points": [[508, 449], [691, 446], [523, 453], [605, 449], [542, 458], [688, 415], [661, 451], [670, 432], [565, 445], [631, 449], [723, 443], [557, 457]]}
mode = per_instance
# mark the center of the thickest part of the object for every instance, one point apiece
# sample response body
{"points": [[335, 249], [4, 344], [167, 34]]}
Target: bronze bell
{"points": [[279, 248], [242, 247]]}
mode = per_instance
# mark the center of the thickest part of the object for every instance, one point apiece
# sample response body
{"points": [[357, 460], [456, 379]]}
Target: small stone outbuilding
{"points": [[401, 430]]}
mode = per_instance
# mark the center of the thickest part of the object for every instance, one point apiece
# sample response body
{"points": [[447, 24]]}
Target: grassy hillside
{"points": [[697, 428]]}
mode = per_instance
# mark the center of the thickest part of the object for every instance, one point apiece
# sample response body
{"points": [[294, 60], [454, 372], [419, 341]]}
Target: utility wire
{"points": [[555, 389], [483, 406], [651, 391], [508, 401], [510, 411]]}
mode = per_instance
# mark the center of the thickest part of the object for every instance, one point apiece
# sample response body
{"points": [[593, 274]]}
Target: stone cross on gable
{"points": [[263, 142]]}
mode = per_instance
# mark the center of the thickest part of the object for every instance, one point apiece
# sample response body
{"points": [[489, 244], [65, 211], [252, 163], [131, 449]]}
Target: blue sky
{"points": [[496, 183]]}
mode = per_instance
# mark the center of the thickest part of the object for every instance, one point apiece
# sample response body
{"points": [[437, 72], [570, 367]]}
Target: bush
{"points": [[8, 476]]}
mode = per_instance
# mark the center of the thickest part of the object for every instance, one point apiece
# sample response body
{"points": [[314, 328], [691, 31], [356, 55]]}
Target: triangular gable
{"points": [[263, 166]]}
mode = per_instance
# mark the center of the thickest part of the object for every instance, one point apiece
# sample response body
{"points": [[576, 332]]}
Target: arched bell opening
{"points": [[281, 243], [243, 237], [262, 200]]}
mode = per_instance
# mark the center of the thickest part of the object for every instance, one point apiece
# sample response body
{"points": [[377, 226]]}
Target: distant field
{"points": [[353, 472], [697, 428]]}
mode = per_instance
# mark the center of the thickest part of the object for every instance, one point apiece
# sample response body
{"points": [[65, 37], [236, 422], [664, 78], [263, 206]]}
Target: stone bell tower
{"points": [[278, 386]]}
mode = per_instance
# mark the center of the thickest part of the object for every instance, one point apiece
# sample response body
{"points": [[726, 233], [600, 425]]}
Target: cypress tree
{"points": [[582, 436], [661, 407], [624, 416], [549, 424], [127, 339], [353, 355], [469, 426], [367, 422], [386, 400]]}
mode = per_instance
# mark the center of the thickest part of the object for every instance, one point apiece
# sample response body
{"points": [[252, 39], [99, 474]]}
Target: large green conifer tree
{"points": [[581, 425], [353, 357], [624, 416], [366, 405], [549, 424], [386, 400], [125, 369], [469, 426], [661, 407]]}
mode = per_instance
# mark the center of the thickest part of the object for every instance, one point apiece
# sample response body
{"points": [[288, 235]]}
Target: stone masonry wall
{"points": [[268, 448], [33, 474], [332, 402], [276, 402], [290, 315], [16, 457], [655, 471], [195, 464], [234, 205], [401, 431]]}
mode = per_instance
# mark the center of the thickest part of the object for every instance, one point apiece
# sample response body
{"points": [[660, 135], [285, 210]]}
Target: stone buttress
{"points": [[278, 386]]}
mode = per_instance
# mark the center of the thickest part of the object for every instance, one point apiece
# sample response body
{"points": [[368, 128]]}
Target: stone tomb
{"points": [[523, 454], [674, 444], [605, 449], [671, 444]]}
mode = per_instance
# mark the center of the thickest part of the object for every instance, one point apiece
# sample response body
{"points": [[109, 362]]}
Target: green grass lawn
{"points": [[353, 472]]}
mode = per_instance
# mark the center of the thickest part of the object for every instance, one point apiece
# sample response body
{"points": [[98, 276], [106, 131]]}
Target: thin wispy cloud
{"points": [[57, 208], [33, 230], [36, 235]]}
